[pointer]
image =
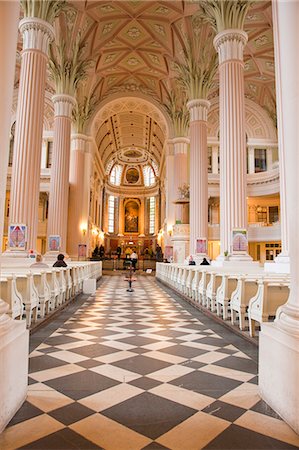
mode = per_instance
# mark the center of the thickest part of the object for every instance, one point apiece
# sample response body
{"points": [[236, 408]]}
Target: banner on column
{"points": [[201, 245], [82, 250], [239, 241], [17, 236], [168, 252], [54, 243]]}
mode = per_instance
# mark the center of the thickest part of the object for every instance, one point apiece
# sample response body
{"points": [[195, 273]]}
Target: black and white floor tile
{"points": [[143, 370]]}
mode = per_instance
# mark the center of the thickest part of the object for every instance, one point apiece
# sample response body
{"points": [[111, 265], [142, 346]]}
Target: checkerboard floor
{"points": [[143, 370]]}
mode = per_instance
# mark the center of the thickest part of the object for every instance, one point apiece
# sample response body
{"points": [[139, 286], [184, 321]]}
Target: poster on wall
{"points": [[82, 250], [54, 243], [17, 236], [239, 240], [168, 252], [201, 246]]}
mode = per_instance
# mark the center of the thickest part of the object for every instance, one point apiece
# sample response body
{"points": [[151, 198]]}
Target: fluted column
{"points": [[78, 196], [180, 170], [169, 188], [233, 208], [59, 186], [9, 19], [198, 171], [29, 126], [279, 341]]}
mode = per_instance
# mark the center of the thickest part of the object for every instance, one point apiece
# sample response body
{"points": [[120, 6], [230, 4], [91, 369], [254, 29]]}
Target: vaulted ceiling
{"points": [[133, 45]]}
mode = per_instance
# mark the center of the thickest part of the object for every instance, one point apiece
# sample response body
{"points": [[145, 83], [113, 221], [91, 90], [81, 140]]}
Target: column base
{"points": [[14, 350], [236, 264], [13, 258], [279, 372], [281, 264]]}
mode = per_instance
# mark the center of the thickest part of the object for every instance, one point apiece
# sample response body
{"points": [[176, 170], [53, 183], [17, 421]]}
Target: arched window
{"points": [[148, 175], [115, 175], [111, 208], [152, 215]]}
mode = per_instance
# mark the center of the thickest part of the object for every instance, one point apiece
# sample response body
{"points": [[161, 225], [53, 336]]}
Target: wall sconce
{"points": [[83, 228], [95, 231], [170, 230]]}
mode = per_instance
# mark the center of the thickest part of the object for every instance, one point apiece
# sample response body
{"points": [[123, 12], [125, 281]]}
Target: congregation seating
{"points": [[245, 298], [33, 292]]}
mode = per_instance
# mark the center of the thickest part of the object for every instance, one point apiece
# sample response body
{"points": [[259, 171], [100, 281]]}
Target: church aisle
{"points": [[141, 370]]}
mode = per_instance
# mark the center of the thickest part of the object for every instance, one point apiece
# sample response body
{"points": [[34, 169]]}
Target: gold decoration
{"points": [[67, 67], [84, 109], [45, 10], [225, 14], [176, 107], [196, 73]]}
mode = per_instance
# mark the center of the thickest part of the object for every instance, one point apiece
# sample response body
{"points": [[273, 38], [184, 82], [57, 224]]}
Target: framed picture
{"points": [[168, 252], [17, 236], [239, 240], [54, 243], [82, 250], [201, 246]]}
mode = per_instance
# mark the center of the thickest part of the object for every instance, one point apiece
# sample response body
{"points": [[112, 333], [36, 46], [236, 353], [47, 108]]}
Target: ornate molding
{"points": [[63, 105], [37, 34], [198, 109], [230, 44]]}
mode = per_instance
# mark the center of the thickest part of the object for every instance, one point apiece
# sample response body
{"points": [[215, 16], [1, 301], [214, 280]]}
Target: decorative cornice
{"points": [[37, 34], [230, 44], [198, 109], [63, 105]]}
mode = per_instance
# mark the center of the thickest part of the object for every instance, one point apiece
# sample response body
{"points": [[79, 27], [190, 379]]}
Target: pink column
{"points": [[283, 257], [233, 204], [78, 197], [279, 341], [9, 19], [59, 186], [198, 171], [169, 188], [29, 126], [180, 171]]}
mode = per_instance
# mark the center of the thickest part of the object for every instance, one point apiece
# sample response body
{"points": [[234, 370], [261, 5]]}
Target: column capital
{"points": [[230, 44], [79, 142], [63, 105], [37, 34], [180, 145], [198, 109]]}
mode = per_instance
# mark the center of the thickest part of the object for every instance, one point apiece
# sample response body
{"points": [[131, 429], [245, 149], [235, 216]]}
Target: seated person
{"points": [[204, 262], [60, 261], [39, 262], [191, 261]]}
